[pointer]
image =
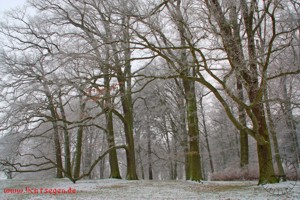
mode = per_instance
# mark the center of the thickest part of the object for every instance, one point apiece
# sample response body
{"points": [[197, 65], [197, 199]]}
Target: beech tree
{"points": [[31, 79], [96, 22], [243, 18]]}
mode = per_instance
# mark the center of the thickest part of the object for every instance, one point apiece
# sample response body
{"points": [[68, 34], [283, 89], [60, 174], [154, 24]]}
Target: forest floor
{"points": [[123, 189]]}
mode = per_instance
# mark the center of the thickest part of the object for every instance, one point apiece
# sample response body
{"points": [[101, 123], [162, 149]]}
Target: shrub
{"points": [[234, 173]]}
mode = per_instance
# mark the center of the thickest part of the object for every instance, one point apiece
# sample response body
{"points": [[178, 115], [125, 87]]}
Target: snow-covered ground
{"points": [[123, 189]]}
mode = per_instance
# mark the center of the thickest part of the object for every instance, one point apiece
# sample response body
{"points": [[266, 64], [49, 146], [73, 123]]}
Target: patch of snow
{"points": [[143, 189]]}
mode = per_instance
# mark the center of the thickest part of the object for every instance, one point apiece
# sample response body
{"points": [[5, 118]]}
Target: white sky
{"points": [[9, 4]]}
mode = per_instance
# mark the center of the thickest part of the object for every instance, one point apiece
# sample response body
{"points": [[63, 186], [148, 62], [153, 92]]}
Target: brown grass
{"points": [[112, 187]]}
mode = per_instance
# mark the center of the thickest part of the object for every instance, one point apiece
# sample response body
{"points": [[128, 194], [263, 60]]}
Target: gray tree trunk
{"points": [[78, 147], [290, 123], [206, 135], [244, 146], [273, 136], [68, 169]]}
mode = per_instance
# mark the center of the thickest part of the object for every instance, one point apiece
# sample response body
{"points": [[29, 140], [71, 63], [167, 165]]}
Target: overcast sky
{"points": [[8, 4]]}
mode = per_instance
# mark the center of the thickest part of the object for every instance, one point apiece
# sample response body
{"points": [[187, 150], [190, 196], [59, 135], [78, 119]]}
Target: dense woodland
{"points": [[150, 89]]}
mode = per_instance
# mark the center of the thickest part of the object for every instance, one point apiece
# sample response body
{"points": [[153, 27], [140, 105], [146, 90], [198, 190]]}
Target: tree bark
{"points": [[175, 174], [124, 82], [102, 163], [169, 148], [113, 159], [55, 117], [193, 132], [68, 169], [126, 101], [194, 159], [108, 106], [78, 152], [249, 73], [266, 169], [149, 153], [59, 167], [290, 122], [139, 152], [206, 135], [244, 146], [274, 136], [183, 131]]}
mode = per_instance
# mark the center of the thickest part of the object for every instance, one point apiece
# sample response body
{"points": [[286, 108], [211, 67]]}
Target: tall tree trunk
{"points": [[185, 145], [113, 159], [266, 169], [290, 122], [149, 153], [102, 162], [124, 80], [78, 152], [101, 168], [194, 159], [206, 135], [55, 117], [68, 169], [193, 131], [183, 131], [264, 152], [169, 150], [59, 167], [247, 70], [174, 146], [244, 146], [130, 150], [139, 153], [175, 174], [255, 94], [108, 106], [274, 136], [87, 151]]}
